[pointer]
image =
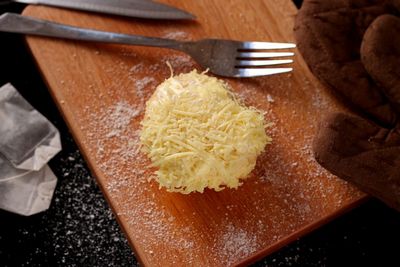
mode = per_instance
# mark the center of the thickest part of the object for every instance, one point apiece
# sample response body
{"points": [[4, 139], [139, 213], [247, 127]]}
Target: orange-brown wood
{"points": [[101, 90]]}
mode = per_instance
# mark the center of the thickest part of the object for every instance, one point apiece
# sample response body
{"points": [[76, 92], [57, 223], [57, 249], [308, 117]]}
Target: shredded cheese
{"points": [[198, 135]]}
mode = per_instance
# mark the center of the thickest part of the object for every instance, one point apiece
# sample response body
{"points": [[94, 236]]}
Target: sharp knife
{"points": [[130, 8]]}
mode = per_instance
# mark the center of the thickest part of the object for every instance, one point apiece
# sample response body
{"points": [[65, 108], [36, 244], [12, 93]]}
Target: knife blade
{"points": [[129, 8]]}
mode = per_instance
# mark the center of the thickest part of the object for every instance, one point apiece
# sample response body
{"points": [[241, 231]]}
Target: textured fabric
{"points": [[353, 47]]}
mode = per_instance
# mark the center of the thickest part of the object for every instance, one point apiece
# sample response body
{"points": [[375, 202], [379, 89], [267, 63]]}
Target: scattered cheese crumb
{"points": [[199, 135], [270, 99]]}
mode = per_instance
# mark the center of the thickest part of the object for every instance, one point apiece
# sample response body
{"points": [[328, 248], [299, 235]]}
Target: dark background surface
{"points": [[79, 229]]}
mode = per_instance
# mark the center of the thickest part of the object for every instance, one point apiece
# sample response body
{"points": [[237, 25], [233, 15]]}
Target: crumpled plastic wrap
{"points": [[27, 142]]}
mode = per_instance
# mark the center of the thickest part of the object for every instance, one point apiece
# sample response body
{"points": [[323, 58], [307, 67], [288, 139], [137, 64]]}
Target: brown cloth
{"points": [[353, 47]]}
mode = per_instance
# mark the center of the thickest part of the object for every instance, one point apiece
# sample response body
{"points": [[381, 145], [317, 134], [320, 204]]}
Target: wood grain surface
{"points": [[101, 90]]}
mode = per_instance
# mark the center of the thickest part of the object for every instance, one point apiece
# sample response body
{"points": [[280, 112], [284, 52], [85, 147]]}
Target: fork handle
{"points": [[15, 23]]}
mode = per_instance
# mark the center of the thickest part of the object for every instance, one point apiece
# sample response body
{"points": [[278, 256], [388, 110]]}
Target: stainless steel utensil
{"points": [[222, 57], [129, 8]]}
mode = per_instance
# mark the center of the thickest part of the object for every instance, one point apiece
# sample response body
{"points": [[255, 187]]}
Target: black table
{"points": [[79, 229]]}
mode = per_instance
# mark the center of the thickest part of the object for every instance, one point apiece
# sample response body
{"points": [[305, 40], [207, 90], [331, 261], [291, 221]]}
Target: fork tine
{"points": [[262, 62], [264, 54], [248, 72], [265, 45]]}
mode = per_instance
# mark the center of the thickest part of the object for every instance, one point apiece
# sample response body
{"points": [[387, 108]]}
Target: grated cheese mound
{"points": [[198, 135]]}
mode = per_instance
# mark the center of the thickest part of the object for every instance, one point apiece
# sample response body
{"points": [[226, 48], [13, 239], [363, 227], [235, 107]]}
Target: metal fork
{"points": [[222, 57]]}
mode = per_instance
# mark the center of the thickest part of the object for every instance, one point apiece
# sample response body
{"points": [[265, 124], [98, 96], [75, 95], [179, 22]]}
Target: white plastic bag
{"points": [[27, 142]]}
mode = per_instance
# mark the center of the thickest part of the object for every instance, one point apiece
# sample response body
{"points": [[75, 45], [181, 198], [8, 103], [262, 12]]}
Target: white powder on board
{"points": [[141, 84], [177, 35], [114, 132], [118, 117], [235, 243]]}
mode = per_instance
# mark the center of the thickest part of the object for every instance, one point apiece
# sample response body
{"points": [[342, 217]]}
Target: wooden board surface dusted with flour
{"points": [[101, 91]]}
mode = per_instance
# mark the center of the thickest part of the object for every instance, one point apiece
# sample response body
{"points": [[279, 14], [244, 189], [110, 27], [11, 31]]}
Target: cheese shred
{"points": [[199, 136]]}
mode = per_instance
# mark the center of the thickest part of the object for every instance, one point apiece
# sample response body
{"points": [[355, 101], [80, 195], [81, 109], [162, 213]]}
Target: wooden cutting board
{"points": [[101, 90]]}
